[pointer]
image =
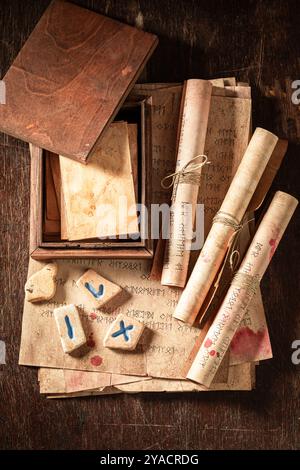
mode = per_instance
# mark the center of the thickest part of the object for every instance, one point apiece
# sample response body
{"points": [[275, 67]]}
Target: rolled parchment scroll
{"points": [[193, 126], [226, 222], [242, 289]]}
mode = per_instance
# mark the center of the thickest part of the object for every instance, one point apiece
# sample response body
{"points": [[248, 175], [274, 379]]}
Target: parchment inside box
{"points": [[137, 110]]}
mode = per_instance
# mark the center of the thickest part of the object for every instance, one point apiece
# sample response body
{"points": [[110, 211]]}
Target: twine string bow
{"points": [[228, 220], [187, 174]]}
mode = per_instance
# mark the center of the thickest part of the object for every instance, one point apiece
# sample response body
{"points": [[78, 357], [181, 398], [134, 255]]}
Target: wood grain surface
{"points": [[257, 41], [70, 78]]}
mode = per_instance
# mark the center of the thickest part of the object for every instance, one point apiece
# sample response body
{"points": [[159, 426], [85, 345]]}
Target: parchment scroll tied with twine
{"points": [[189, 173]]}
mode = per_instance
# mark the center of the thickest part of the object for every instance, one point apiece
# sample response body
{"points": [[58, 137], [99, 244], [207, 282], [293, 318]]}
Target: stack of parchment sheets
{"points": [[159, 363]]}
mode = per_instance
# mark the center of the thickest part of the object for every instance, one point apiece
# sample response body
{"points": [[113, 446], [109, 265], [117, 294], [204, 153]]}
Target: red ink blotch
{"points": [[212, 352], [208, 343], [90, 342], [247, 344], [96, 361], [273, 245], [93, 316]]}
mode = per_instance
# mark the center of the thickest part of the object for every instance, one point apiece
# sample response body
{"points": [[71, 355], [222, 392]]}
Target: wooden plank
{"points": [[36, 202], [44, 254], [55, 170], [82, 244], [65, 87], [51, 210], [133, 147]]}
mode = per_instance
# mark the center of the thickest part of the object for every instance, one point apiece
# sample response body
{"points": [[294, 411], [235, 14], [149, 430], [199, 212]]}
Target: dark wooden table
{"points": [[259, 42]]}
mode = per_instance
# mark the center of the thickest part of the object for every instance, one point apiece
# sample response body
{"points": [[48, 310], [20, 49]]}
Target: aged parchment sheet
{"points": [[100, 196]]}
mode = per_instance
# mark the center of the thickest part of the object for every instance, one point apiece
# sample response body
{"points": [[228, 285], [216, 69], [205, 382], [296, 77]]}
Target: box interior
{"points": [[131, 112]]}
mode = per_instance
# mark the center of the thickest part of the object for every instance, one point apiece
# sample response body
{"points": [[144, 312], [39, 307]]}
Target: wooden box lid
{"points": [[71, 77]]}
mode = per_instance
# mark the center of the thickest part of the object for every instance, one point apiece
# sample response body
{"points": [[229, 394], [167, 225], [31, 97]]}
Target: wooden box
{"points": [[67, 84], [136, 110]]}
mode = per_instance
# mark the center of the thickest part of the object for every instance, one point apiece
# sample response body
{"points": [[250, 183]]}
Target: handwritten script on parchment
{"points": [[167, 342]]}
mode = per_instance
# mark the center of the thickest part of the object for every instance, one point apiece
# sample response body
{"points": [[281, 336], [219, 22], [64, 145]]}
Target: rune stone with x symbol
{"points": [[123, 331]]}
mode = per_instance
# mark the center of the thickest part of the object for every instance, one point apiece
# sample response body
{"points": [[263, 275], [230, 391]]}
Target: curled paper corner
{"points": [[2, 352]]}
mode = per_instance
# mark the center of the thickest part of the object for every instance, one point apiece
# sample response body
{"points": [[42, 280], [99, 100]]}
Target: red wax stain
{"points": [[208, 343], [248, 345], [212, 352], [273, 242], [96, 361], [93, 316], [90, 342], [273, 245]]}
